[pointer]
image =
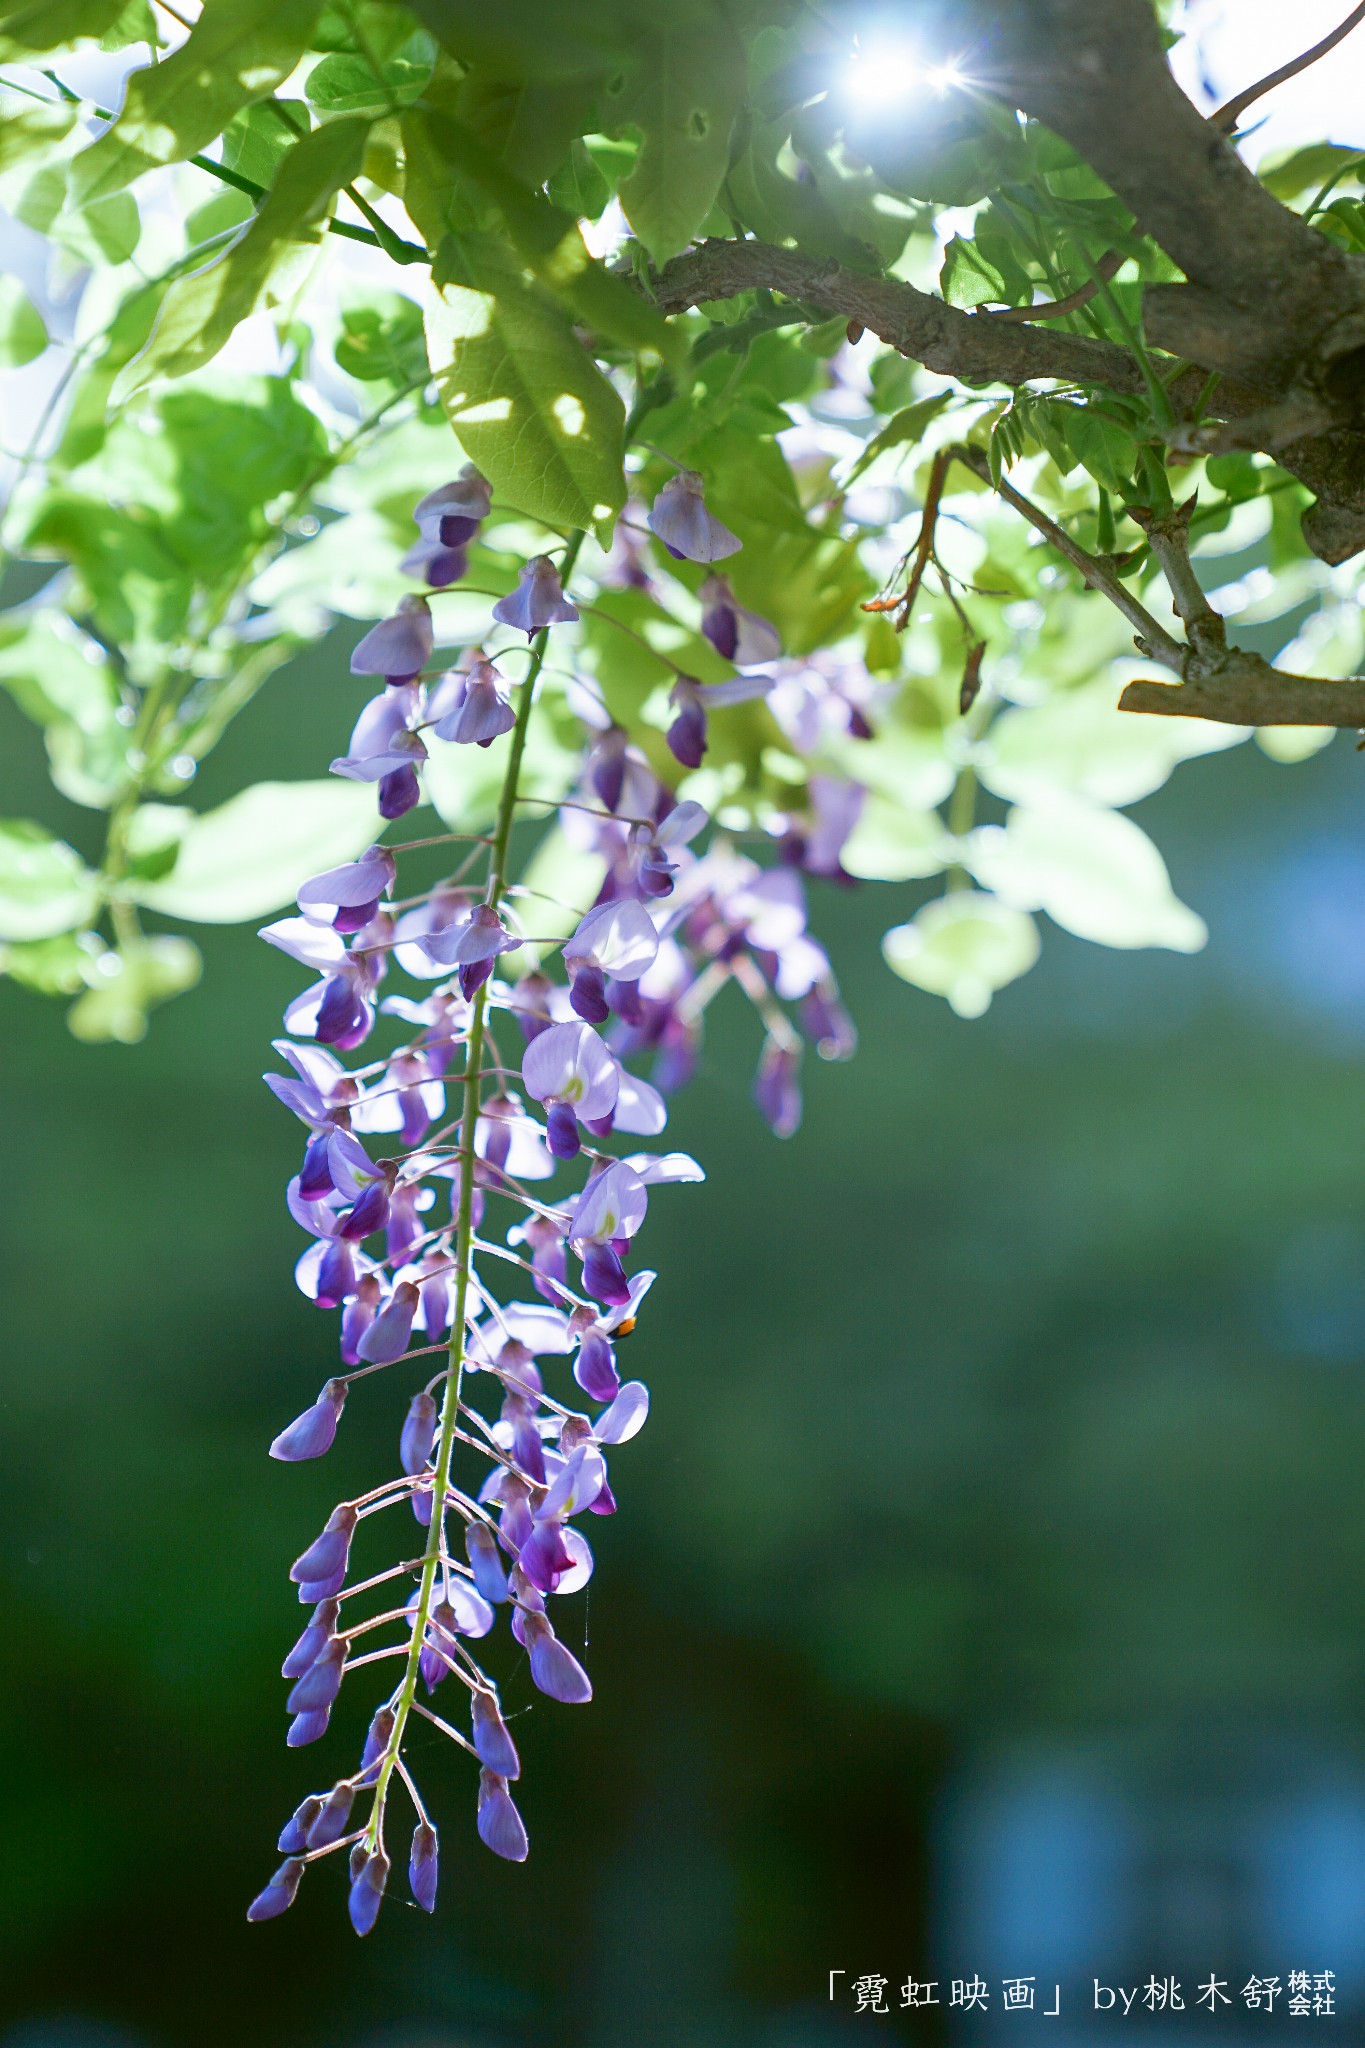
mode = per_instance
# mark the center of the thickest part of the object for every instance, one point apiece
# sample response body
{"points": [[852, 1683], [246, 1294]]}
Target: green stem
{"points": [[463, 1248]]}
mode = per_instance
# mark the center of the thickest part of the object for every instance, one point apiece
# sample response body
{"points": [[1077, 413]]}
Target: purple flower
{"points": [[348, 897], [313, 1431], [436, 564], [312, 1642], [470, 708], [500, 1825], [399, 647], [481, 1548], [681, 521], [377, 1738], [422, 1866], [321, 1682], [595, 1366], [742, 637], [570, 1069], [279, 1894], [367, 1891], [452, 513], [617, 939], [305, 1728], [626, 1416], [554, 1670], [538, 600], [325, 1558], [329, 1823], [383, 742], [388, 1336], [777, 1087], [418, 1434], [495, 1746], [687, 734], [472, 943], [294, 1835]]}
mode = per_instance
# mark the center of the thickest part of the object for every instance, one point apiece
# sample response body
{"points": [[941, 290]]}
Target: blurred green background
{"points": [[986, 1591]]}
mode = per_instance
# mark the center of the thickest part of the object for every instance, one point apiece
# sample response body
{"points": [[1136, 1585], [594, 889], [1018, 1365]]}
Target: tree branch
{"points": [[972, 348]]}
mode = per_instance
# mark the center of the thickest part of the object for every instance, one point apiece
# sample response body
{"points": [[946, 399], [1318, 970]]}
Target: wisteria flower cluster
{"points": [[489, 1145]]}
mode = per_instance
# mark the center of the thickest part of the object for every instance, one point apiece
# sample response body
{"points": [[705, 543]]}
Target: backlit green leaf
{"points": [[528, 404]]}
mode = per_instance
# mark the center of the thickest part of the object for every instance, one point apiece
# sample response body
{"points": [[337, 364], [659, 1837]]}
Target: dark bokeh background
{"points": [[986, 1592]]}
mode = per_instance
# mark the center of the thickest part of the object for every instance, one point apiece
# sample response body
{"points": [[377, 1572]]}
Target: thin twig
{"points": [[1229, 114]]}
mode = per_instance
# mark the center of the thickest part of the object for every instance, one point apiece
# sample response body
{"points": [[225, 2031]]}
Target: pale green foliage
{"points": [[200, 519]]}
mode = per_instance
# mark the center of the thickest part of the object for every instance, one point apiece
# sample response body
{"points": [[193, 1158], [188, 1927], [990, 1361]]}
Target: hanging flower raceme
{"points": [[434, 1170], [413, 1165]]}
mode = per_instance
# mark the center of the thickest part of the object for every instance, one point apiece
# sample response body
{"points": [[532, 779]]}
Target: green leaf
{"points": [[529, 405], [22, 333], [45, 886], [1106, 449], [238, 51], [1095, 873], [536, 38], [352, 84], [249, 856], [381, 337], [967, 279], [890, 843], [30, 130], [33, 25], [532, 128], [549, 241], [906, 425], [1078, 743], [131, 982], [964, 946], [53, 967], [1289, 173], [688, 90], [200, 311], [62, 680]]}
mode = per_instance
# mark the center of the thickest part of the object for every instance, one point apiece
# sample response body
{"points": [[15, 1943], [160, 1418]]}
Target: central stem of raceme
{"points": [[464, 1231]]}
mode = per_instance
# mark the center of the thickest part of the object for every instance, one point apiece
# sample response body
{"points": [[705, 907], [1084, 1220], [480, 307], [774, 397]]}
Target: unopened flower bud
{"points": [[481, 1548], [418, 1434], [367, 1891], [312, 1433], [321, 1682], [325, 1558], [312, 1642], [495, 1746], [500, 1825], [388, 1335], [305, 1728], [422, 1866], [377, 1739], [554, 1669], [294, 1837], [329, 1823], [278, 1895]]}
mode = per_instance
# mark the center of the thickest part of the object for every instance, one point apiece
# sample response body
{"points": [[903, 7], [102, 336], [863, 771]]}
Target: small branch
{"points": [[1246, 690], [1169, 540], [1106, 266], [1153, 639], [924, 548], [1231, 112]]}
